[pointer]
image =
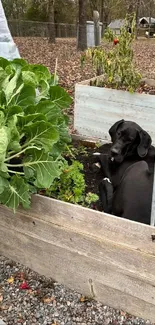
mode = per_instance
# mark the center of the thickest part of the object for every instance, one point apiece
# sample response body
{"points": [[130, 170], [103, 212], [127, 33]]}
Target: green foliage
{"points": [[36, 10], [109, 34], [116, 64], [91, 198], [33, 130], [72, 152], [70, 186]]}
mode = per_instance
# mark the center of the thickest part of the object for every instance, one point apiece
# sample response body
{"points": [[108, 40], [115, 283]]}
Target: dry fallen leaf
{"points": [[1, 298], [4, 307], [20, 276], [47, 300], [84, 299], [11, 280]]}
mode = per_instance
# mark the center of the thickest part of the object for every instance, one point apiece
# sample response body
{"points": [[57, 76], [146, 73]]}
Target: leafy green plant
{"points": [[70, 186], [72, 152], [90, 198], [33, 130], [116, 63]]}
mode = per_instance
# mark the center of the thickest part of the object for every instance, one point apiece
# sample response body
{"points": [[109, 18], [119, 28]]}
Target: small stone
{"points": [[38, 315], [10, 308], [1, 322]]}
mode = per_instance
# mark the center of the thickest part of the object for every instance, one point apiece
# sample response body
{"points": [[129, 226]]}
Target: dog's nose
{"points": [[115, 151]]}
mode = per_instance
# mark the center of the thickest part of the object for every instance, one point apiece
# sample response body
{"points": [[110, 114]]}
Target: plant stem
{"points": [[55, 72], [72, 155], [18, 154], [12, 165], [14, 172]]}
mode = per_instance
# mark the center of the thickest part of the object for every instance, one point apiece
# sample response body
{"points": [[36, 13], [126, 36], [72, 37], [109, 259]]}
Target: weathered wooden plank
{"points": [[114, 95], [97, 224], [96, 109], [131, 261], [79, 271]]}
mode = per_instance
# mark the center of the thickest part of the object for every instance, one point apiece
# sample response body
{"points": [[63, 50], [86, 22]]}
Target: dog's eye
{"points": [[118, 133]]}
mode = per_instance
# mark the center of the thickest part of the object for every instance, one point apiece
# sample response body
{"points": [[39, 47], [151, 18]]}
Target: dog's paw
{"points": [[96, 167]]}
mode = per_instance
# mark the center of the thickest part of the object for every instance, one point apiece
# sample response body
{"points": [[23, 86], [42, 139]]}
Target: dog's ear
{"points": [[113, 129], [145, 143]]}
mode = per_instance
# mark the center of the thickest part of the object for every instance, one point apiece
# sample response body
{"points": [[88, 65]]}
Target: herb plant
{"points": [[33, 130], [71, 186]]}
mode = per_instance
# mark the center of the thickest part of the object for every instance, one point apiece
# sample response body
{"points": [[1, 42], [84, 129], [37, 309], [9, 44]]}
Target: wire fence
{"points": [[26, 28]]}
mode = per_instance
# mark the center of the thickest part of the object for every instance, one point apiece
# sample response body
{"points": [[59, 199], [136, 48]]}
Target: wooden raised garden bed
{"points": [[102, 256], [97, 109]]}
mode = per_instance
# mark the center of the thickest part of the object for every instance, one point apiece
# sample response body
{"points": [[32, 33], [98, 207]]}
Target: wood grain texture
{"points": [[96, 109], [85, 249]]}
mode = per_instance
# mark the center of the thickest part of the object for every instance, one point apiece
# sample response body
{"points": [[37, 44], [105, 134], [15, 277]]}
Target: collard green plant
{"points": [[116, 63], [33, 130]]}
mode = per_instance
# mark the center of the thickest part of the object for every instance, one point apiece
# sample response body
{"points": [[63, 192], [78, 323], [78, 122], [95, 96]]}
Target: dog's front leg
{"points": [[102, 163], [106, 195]]}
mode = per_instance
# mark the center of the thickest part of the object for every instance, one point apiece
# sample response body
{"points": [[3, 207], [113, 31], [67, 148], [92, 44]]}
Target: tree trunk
{"points": [[82, 35], [51, 26], [137, 17], [150, 15], [102, 16]]}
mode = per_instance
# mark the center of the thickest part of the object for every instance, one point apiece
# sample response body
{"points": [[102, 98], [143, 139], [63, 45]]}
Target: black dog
{"points": [[129, 168]]}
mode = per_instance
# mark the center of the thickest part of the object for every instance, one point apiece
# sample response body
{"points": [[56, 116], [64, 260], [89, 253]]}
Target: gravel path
{"points": [[45, 302]]}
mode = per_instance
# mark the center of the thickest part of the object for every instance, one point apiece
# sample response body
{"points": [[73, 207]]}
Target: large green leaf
{"points": [[9, 86], [20, 62], [43, 90], [3, 142], [41, 72], [3, 76], [2, 98], [30, 118], [2, 118], [43, 168], [15, 193], [42, 134], [4, 62], [4, 183], [29, 78], [13, 134], [45, 107], [26, 96], [60, 97], [13, 110]]}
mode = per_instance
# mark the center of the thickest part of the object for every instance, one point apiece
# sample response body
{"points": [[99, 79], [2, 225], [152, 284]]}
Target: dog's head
{"points": [[128, 138]]}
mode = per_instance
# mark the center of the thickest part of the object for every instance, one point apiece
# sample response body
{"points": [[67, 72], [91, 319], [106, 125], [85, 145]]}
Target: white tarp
{"points": [[8, 48]]}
